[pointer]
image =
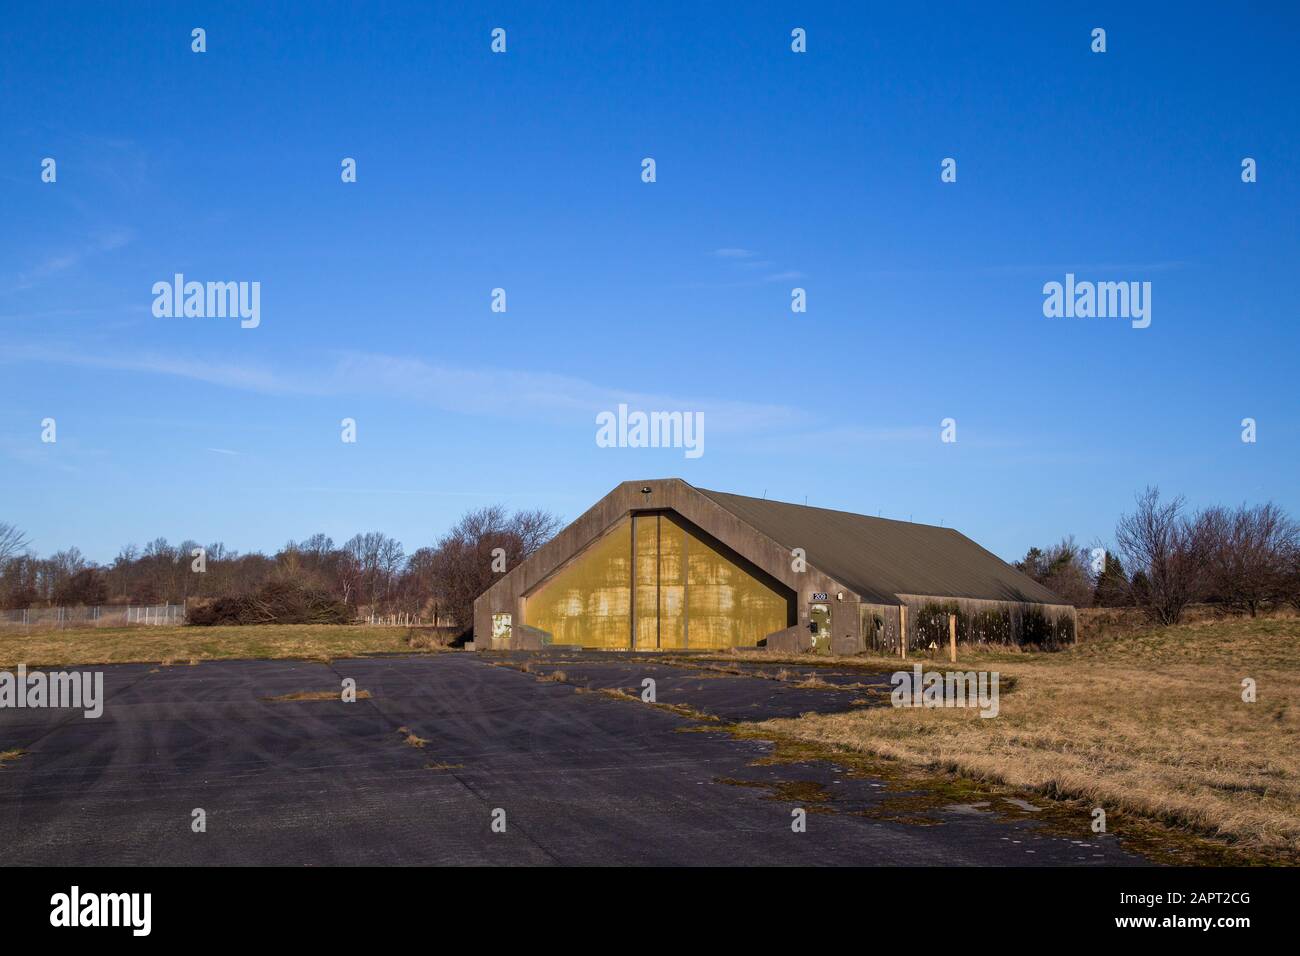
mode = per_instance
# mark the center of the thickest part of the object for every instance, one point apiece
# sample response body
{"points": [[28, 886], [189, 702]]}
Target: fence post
{"points": [[952, 637], [902, 630]]}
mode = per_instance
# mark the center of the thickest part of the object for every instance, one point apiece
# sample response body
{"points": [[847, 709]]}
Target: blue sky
{"points": [[522, 171]]}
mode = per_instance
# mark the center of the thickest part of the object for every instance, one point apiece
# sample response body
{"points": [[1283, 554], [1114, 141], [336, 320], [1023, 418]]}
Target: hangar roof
{"points": [[881, 558]]}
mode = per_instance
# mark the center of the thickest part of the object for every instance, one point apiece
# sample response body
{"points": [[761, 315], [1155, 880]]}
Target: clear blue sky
{"points": [[522, 171]]}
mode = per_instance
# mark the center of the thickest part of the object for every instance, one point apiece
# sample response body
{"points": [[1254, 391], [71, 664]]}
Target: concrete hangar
{"points": [[661, 565]]}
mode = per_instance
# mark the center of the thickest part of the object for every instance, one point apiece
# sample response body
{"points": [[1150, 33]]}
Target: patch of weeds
{"points": [[915, 792], [681, 710], [812, 681], [411, 739], [684, 710], [798, 792], [9, 755], [314, 695], [807, 681]]}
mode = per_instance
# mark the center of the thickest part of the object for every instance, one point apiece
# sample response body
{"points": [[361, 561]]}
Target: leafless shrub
{"points": [[1250, 553]]}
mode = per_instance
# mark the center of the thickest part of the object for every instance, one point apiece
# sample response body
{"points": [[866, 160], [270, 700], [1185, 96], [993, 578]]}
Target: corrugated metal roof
{"points": [[881, 558]]}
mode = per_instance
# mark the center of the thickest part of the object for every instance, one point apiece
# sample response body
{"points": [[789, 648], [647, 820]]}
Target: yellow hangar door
{"points": [[659, 621], [652, 583]]}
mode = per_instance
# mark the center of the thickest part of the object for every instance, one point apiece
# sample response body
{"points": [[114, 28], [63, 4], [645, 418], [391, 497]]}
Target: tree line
{"points": [[1166, 557], [369, 573]]}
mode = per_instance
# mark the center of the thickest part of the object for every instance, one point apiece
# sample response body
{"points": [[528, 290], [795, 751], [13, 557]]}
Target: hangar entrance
{"points": [[655, 582]]}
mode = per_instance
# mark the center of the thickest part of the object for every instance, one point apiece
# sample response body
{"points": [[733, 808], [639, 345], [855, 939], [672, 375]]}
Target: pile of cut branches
{"points": [[276, 602]]}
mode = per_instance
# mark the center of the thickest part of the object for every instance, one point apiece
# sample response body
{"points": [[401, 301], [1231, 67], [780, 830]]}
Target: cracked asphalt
{"points": [[580, 778]]}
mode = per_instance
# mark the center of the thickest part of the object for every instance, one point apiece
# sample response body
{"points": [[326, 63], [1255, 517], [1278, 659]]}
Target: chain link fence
{"points": [[102, 615]]}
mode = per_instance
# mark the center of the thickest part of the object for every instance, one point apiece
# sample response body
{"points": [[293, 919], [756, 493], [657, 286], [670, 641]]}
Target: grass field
{"points": [[1151, 723], [123, 645]]}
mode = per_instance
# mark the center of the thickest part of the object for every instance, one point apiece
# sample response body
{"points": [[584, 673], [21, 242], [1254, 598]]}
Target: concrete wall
{"points": [[972, 607]]}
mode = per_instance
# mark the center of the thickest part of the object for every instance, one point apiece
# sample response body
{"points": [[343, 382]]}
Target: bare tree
{"points": [[467, 561], [371, 561], [534, 529], [12, 542], [1166, 554], [1291, 578]]}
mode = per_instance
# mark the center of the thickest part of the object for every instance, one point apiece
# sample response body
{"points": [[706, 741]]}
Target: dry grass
{"points": [[411, 739], [8, 755], [869, 661], [812, 681], [681, 710], [431, 638], [315, 695], [1151, 722], [122, 645]]}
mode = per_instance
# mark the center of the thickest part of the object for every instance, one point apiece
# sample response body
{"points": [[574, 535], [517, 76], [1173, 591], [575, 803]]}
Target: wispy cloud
{"points": [[755, 265], [242, 376], [58, 262], [543, 396], [491, 392], [523, 396]]}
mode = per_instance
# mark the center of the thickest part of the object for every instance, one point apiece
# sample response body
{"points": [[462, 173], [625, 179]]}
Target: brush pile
{"points": [[276, 602]]}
